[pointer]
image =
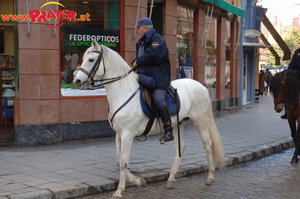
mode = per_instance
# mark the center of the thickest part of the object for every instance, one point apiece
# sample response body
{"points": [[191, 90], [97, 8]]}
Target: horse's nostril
{"points": [[78, 81]]}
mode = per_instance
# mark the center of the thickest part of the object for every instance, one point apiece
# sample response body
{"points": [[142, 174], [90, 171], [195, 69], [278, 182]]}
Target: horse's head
{"points": [[278, 89], [91, 67], [285, 87]]}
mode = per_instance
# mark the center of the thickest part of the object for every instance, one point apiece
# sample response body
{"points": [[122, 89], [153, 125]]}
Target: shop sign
{"points": [[77, 39], [40, 16]]}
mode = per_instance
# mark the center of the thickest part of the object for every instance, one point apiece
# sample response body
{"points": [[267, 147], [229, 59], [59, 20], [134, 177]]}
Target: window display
{"points": [[184, 45], [76, 36], [210, 43], [8, 69]]}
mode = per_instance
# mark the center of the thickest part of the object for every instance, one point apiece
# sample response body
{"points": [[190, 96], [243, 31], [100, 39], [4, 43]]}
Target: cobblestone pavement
{"points": [[80, 168], [271, 177]]}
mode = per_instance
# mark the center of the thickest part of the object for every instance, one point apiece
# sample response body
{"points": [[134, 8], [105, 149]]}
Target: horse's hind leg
{"points": [[203, 130], [177, 159]]}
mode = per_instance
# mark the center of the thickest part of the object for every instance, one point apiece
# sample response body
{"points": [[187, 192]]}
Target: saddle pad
{"points": [[172, 107]]}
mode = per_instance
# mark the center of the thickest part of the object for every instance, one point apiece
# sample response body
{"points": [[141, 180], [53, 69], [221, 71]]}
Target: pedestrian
{"points": [[261, 81], [154, 70], [269, 76]]}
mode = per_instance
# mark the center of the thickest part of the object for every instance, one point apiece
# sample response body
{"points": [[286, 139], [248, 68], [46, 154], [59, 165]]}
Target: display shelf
{"points": [[7, 85]]}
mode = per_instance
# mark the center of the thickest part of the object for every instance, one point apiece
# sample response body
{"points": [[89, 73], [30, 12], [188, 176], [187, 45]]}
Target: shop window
{"points": [[210, 43], [98, 19], [184, 44], [228, 52], [8, 69]]}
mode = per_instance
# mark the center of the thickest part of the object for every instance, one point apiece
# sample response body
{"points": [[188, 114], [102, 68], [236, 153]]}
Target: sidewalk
{"points": [[86, 167]]}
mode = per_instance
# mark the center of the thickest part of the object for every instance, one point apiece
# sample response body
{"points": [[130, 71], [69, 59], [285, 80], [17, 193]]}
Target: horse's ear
{"points": [[95, 44], [284, 78]]}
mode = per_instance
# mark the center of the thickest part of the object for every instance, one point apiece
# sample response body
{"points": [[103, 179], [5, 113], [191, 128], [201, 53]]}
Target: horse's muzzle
{"points": [[79, 84], [278, 108]]}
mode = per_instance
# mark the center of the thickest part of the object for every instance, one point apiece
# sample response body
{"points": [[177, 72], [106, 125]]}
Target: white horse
{"points": [[128, 120]]}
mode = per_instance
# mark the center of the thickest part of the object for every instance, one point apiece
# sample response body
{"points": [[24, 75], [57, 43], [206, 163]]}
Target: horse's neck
{"points": [[119, 91]]}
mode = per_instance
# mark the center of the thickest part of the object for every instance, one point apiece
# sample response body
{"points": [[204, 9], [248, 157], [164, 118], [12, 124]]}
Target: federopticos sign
{"points": [[77, 39]]}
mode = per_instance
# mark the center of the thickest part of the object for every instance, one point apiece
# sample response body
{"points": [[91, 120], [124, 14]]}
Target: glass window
{"points": [[8, 67], [210, 43], [98, 19], [184, 45], [227, 62]]}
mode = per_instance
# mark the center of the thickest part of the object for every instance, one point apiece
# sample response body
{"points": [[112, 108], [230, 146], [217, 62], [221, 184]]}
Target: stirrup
{"points": [[166, 138]]}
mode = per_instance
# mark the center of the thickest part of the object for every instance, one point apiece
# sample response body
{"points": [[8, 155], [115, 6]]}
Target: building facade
{"points": [[46, 41]]}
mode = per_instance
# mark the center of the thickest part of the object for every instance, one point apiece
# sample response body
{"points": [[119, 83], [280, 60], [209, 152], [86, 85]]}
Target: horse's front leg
{"points": [[177, 159], [294, 135], [125, 149], [118, 149]]}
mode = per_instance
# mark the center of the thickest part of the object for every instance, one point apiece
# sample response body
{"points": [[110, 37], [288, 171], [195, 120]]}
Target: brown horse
{"points": [[285, 87]]}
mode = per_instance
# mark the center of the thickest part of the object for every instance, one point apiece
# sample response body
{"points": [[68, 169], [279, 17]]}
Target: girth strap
{"points": [[125, 103], [149, 125]]}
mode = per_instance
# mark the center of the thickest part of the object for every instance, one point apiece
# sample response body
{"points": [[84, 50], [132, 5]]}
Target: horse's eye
{"points": [[91, 60]]}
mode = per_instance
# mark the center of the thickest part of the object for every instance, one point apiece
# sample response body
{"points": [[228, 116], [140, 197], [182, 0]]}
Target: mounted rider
{"points": [[294, 65], [153, 68]]}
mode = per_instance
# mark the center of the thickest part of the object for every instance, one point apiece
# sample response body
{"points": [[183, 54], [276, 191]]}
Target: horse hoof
{"points": [[162, 142], [210, 181], [170, 184], [116, 197], [143, 182], [294, 161]]}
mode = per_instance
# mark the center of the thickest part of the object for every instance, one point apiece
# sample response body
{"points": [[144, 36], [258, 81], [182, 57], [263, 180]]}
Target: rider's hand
{"points": [[135, 66]]}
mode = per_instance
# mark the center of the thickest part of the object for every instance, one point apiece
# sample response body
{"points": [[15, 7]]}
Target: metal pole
{"points": [[136, 18], [151, 7]]}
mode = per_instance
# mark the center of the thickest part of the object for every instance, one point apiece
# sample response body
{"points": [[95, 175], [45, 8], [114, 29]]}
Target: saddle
{"points": [[149, 108]]}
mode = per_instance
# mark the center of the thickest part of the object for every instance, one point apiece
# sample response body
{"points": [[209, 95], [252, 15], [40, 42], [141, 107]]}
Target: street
{"points": [[269, 177]]}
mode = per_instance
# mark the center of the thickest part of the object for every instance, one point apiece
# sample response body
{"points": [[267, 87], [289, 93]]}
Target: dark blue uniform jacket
{"points": [[154, 60], [295, 62]]}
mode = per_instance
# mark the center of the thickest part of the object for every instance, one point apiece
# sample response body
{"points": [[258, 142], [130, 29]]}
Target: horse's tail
{"points": [[217, 147]]}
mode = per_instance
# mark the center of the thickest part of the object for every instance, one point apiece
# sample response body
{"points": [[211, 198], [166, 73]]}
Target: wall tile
{"points": [[49, 111], [41, 37], [43, 62], [39, 87], [30, 112]]}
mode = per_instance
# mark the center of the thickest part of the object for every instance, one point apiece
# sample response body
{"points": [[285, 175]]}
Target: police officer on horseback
{"points": [[294, 65], [153, 68]]}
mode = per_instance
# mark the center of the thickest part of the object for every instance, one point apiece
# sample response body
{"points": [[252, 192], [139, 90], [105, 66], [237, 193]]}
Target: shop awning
{"points": [[227, 6], [256, 45], [277, 37], [271, 49]]}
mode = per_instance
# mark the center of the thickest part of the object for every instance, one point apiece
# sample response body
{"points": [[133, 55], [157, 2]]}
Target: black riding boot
{"points": [[163, 112], [284, 116]]}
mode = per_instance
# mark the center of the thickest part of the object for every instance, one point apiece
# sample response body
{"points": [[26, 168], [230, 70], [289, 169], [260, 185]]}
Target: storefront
{"points": [[46, 50]]}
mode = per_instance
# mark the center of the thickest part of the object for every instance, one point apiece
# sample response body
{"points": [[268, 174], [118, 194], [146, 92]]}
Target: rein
{"points": [[93, 71]]}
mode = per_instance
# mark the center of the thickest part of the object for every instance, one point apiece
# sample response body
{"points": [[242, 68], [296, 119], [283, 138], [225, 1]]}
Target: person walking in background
{"points": [[261, 82], [269, 76], [154, 70]]}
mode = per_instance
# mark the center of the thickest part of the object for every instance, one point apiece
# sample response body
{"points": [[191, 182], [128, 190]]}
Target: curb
{"points": [[93, 187]]}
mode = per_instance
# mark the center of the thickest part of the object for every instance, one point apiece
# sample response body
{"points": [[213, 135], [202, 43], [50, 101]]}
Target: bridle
{"points": [[287, 106], [282, 100], [91, 74]]}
